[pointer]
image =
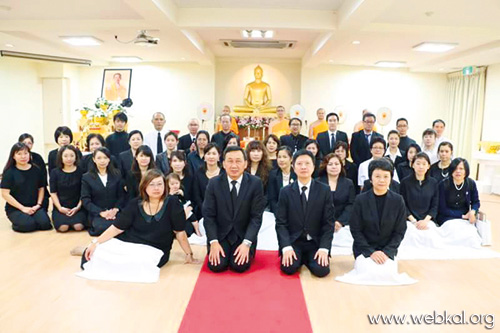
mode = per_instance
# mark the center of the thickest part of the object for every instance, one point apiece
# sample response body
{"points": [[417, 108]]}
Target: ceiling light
{"points": [[9, 45], [81, 40], [183, 58], [390, 64], [434, 47], [257, 33], [356, 42], [330, 61], [126, 59]]}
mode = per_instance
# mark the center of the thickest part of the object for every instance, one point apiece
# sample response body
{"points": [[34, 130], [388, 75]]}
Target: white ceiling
{"points": [[283, 4], [190, 30]]}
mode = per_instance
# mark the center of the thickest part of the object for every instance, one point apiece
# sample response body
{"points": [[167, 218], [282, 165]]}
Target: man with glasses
{"points": [[294, 140], [404, 139], [377, 149], [361, 140]]}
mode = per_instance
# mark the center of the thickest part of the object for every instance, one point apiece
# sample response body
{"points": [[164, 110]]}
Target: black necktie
{"points": [[368, 138], [159, 145], [303, 199], [332, 141], [234, 195]]}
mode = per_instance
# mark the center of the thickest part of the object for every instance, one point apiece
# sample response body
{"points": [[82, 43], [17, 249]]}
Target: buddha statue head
{"points": [[258, 72]]}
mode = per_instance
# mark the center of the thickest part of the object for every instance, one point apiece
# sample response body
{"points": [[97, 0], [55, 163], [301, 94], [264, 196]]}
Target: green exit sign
{"points": [[468, 70]]}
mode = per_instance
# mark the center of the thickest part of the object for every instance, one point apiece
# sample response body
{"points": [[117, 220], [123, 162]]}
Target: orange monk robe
{"points": [[114, 93], [321, 127], [234, 126], [281, 128]]}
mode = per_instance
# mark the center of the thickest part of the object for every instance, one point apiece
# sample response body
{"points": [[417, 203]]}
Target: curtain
{"points": [[465, 113]]}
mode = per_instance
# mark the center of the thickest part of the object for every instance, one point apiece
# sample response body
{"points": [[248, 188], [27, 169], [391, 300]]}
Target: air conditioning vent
{"points": [[258, 44]]}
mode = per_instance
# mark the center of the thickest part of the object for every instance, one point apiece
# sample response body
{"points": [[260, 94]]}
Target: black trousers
{"points": [[229, 260], [22, 222], [60, 219], [99, 224], [305, 251]]}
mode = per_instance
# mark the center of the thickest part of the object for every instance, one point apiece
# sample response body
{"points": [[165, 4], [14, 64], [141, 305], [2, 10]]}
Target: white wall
{"points": [[20, 104], [491, 117], [232, 75], [176, 89], [419, 97]]}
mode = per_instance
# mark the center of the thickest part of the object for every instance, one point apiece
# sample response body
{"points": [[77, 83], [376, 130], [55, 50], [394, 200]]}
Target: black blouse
{"points": [[351, 172], [343, 198], [199, 187], [437, 173], [195, 161], [404, 170], [421, 198], [23, 186], [67, 186], [157, 230], [53, 158], [117, 142], [132, 184]]}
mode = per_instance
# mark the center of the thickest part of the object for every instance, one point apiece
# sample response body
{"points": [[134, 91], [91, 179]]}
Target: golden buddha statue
{"points": [[257, 96]]}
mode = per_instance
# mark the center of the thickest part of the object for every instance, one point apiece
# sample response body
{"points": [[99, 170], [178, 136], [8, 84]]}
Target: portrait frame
{"points": [[110, 92]]}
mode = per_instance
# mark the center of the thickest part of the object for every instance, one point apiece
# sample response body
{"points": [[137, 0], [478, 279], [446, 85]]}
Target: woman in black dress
{"points": [[126, 158], [36, 159], [272, 143], [63, 137], [210, 168], [102, 192], [440, 169], [341, 149], [163, 159], [313, 147], [281, 177], [65, 189], [23, 187], [143, 161], [153, 219], [258, 161], [343, 193], [195, 158], [405, 169]]}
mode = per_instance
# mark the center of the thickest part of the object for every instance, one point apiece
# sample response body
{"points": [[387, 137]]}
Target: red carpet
{"points": [[260, 300]]}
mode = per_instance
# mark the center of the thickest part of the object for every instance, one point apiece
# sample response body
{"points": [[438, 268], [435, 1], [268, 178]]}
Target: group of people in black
{"points": [[121, 189]]}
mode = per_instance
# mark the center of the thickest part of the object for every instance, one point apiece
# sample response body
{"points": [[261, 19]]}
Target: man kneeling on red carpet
{"points": [[304, 220], [232, 210]]}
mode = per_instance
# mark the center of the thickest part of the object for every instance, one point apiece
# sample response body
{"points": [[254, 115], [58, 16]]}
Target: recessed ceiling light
{"points": [[183, 58], [434, 47], [81, 40], [126, 59], [390, 64], [257, 33], [356, 42], [9, 45], [330, 61]]}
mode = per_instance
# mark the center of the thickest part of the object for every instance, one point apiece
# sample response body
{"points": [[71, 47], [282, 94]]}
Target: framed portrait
{"points": [[116, 84]]}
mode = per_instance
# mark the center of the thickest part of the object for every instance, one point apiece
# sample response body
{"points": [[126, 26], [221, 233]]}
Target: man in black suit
{"points": [[232, 210], [327, 139], [404, 140], [305, 220], [294, 140], [378, 219], [220, 137], [360, 141], [187, 141]]}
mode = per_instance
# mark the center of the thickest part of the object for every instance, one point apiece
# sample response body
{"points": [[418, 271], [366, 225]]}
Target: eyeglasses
{"points": [[368, 121]]}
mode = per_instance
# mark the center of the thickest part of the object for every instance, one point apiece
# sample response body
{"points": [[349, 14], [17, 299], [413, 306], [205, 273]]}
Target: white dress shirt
{"points": [[330, 137], [393, 157], [151, 140]]}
